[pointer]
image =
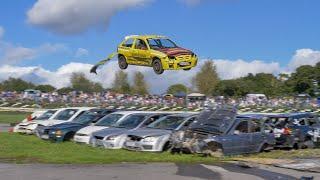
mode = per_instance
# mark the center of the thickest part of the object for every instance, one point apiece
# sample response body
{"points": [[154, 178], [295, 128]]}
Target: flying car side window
{"points": [[141, 44], [128, 43]]}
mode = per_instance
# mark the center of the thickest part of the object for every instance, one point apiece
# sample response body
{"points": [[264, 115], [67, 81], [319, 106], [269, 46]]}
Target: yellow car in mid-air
{"points": [[154, 51]]}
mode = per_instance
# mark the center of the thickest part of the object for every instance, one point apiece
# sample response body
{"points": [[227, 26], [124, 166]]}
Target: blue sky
{"points": [[270, 31]]}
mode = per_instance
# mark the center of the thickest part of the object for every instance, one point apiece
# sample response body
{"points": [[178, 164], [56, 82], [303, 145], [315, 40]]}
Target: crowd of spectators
{"points": [[109, 98]]}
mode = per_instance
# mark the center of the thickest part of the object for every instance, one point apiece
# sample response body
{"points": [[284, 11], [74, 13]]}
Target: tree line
{"points": [[304, 80]]}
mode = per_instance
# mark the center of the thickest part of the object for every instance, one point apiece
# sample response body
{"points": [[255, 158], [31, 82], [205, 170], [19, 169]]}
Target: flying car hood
{"points": [[146, 132], [175, 51], [216, 120]]}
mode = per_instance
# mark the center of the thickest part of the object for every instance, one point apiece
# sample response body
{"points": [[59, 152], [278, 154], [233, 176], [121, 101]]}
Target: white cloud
{"points": [[228, 69], [304, 57], [158, 83], [2, 31], [76, 16], [81, 52], [13, 54]]}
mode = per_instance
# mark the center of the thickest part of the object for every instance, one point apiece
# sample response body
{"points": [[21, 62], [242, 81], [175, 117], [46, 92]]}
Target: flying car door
{"points": [[126, 49], [141, 53]]}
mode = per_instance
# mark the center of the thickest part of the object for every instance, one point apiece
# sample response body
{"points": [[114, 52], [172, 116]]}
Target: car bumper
{"points": [[141, 146], [30, 129], [42, 136], [23, 131], [180, 64], [55, 138], [81, 139]]}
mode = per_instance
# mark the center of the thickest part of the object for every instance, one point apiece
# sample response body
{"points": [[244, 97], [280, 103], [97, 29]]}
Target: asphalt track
{"points": [[154, 171]]}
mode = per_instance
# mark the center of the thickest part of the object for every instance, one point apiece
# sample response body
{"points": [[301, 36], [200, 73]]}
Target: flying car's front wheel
{"points": [[157, 66], [122, 62]]}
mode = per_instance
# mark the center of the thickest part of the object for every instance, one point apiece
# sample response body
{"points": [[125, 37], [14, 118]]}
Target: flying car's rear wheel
{"points": [[157, 66], [122, 62], [187, 69]]}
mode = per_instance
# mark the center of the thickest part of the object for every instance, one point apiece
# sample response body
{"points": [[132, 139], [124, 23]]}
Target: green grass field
{"points": [[12, 117], [30, 149]]}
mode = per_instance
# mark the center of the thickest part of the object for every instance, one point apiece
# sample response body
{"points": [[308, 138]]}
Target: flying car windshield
{"points": [[131, 121], [109, 120], [161, 43], [168, 122], [65, 114], [46, 115]]}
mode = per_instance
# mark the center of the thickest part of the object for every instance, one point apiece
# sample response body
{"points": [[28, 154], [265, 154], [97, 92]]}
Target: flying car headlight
{"points": [[111, 138], [150, 139]]}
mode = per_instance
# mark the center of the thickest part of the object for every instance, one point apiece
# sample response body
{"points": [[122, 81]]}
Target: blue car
{"points": [[65, 131], [221, 131]]}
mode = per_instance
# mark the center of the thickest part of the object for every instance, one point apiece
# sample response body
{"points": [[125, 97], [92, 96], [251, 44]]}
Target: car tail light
{"points": [[287, 131], [29, 117]]}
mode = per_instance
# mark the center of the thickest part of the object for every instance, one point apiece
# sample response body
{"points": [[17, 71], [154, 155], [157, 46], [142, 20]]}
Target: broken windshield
{"points": [[215, 119]]}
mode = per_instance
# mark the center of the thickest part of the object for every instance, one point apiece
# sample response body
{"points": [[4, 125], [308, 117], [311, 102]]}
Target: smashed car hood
{"points": [[215, 120], [146, 132]]}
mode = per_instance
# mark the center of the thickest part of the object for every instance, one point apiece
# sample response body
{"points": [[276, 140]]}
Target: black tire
{"points": [[263, 148], [187, 69], [157, 66], [68, 136], [122, 62], [309, 144], [166, 146]]}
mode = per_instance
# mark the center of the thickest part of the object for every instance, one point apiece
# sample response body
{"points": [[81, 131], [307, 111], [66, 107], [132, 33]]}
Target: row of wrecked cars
{"points": [[214, 131]]}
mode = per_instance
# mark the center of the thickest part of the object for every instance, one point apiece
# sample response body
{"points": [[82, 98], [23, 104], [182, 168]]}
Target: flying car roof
{"points": [[144, 36]]}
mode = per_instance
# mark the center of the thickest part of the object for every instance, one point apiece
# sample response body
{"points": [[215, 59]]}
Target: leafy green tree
{"points": [[207, 78], [45, 88], [177, 88], [65, 90], [140, 86], [79, 82], [16, 84], [121, 84]]}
